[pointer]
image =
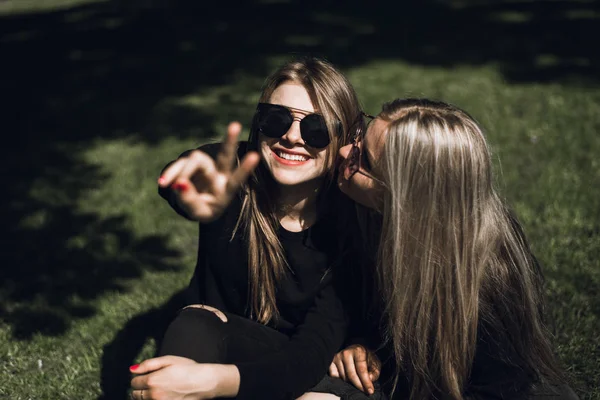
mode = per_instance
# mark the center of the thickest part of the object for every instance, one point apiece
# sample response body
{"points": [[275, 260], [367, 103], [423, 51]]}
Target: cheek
{"points": [[322, 161], [345, 151], [264, 145]]}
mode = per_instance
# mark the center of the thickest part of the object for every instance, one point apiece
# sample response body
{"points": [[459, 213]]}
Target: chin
{"points": [[292, 179]]}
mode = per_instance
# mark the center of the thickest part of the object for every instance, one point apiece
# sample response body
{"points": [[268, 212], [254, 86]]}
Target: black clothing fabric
{"points": [[498, 370], [200, 335], [347, 391], [312, 314]]}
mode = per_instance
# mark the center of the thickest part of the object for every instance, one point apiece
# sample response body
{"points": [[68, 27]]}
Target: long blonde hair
{"points": [[451, 258], [332, 96]]}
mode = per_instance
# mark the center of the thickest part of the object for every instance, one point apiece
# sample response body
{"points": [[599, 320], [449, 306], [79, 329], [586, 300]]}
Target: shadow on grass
{"points": [[98, 71], [121, 353], [59, 260]]}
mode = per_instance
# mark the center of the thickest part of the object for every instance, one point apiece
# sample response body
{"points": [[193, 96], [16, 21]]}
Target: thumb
{"points": [[152, 364]]}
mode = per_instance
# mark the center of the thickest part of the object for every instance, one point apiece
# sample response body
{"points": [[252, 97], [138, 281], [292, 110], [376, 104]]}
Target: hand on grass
{"points": [[179, 378], [204, 186], [357, 365]]}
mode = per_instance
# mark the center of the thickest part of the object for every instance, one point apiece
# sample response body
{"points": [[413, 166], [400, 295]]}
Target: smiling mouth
{"points": [[290, 157]]}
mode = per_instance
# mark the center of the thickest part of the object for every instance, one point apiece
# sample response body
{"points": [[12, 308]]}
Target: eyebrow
{"points": [[299, 110]]}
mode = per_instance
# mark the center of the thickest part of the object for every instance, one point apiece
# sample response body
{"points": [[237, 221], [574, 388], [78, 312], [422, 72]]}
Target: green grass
{"points": [[95, 254], [8, 7]]}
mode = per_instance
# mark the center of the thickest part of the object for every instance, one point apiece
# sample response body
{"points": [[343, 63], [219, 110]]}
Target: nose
{"points": [[293, 135], [344, 151]]}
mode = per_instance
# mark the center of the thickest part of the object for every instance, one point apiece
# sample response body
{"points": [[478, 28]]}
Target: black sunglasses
{"points": [[274, 120], [355, 162]]}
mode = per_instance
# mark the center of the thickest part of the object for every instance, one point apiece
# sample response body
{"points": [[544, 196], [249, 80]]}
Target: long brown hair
{"points": [[332, 96], [452, 260]]}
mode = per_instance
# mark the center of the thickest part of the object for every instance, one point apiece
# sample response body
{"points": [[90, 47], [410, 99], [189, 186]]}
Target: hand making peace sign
{"points": [[205, 186]]}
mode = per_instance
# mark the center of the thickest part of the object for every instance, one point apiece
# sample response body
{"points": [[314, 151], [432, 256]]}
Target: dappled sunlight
{"points": [[102, 94]]}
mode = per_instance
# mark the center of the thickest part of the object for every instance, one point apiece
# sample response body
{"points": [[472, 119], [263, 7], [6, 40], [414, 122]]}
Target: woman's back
{"points": [[462, 293]]}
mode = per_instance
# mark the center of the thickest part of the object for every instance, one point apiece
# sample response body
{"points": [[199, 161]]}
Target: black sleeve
{"points": [[304, 361], [498, 371]]}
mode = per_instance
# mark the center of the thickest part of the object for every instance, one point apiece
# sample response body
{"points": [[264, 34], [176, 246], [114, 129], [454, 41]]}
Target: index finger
{"points": [[226, 155], [168, 176], [248, 164]]}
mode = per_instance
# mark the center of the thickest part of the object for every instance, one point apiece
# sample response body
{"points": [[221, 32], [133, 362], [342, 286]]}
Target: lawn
{"points": [[102, 95]]}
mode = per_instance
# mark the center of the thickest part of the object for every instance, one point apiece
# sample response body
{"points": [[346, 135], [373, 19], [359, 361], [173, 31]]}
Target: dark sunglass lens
{"points": [[314, 131], [274, 121]]}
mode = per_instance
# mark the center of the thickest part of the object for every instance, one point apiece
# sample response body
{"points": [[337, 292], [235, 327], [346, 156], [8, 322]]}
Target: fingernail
{"points": [[134, 367], [371, 391], [180, 186], [161, 180]]}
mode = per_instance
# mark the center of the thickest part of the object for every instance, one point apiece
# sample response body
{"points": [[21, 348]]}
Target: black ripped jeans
{"points": [[200, 335]]}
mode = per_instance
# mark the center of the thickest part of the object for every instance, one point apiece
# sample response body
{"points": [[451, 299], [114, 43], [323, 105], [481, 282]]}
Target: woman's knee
{"points": [[214, 310], [198, 321], [318, 396], [195, 333]]}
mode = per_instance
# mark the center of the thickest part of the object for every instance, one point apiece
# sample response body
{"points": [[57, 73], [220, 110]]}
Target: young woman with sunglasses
{"points": [[266, 317], [459, 293]]}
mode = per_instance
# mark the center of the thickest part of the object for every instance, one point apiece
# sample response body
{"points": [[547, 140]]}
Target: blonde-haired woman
{"points": [[264, 319], [460, 292]]}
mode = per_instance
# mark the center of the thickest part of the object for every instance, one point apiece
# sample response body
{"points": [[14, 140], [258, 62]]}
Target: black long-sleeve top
{"points": [[308, 300]]}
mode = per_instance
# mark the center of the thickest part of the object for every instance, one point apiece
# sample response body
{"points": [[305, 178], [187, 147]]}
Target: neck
{"points": [[298, 205]]}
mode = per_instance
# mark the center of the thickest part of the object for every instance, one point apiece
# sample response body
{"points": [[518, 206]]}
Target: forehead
{"points": [[292, 94], [375, 137]]}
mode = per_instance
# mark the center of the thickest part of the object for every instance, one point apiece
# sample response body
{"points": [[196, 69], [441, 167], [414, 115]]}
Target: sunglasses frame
{"points": [[308, 140], [354, 159]]}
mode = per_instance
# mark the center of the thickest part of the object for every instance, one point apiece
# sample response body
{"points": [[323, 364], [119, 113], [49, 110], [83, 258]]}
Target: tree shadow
{"points": [[122, 351], [99, 71]]}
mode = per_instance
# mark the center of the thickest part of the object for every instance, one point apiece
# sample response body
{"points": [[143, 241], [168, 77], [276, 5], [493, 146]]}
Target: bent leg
{"points": [[318, 396], [195, 333], [207, 335]]}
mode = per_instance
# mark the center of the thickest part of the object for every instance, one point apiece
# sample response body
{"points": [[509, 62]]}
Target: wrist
{"points": [[228, 382]]}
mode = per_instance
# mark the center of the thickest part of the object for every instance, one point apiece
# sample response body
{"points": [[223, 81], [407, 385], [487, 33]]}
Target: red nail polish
{"points": [[180, 186], [134, 367], [161, 180]]}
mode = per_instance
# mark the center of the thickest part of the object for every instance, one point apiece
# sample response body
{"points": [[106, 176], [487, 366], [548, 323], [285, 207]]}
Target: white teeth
{"points": [[291, 157]]}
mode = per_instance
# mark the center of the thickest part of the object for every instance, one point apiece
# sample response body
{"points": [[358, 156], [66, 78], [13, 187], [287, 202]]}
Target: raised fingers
{"points": [[199, 164], [240, 175], [227, 154], [171, 173]]}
